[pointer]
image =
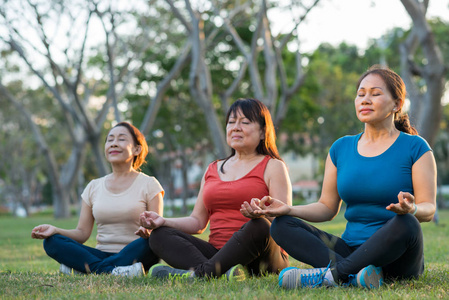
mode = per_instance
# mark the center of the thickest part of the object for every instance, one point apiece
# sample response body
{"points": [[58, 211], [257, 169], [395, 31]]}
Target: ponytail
{"points": [[402, 123]]}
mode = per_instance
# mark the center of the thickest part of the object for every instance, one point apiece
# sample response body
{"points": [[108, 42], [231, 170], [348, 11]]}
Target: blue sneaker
{"points": [[291, 278], [370, 277]]}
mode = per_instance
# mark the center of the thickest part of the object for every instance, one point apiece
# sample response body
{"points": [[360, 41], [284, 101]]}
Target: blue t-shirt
{"points": [[369, 184]]}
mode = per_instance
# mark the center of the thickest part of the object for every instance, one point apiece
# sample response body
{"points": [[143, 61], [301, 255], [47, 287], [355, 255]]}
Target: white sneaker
{"points": [[69, 271], [291, 277], [134, 270]]}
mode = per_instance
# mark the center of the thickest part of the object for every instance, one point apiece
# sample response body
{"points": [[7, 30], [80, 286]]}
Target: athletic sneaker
{"points": [[292, 277], [236, 273], [69, 271], [370, 277], [162, 271], [134, 270]]}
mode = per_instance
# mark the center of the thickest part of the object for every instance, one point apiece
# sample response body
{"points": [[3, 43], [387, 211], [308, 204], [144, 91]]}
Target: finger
{"points": [[265, 201], [245, 206], [400, 197], [255, 205], [255, 201], [409, 198], [152, 224]]}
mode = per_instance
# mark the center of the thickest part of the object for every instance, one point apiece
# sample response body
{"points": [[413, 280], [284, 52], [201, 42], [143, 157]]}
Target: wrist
{"points": [[415, 209]]}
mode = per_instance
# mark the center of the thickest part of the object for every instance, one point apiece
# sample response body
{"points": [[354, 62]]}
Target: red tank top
{"points": [[223, 200]]}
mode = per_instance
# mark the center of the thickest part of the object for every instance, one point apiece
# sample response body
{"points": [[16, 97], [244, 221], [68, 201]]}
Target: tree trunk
{"points": [[427, 118]]}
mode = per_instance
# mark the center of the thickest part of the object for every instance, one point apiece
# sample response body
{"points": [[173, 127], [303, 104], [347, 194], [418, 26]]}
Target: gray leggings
{"points": [[251, 246], [397, 247]]}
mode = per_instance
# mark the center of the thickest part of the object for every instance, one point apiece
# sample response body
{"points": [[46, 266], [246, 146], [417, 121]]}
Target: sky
{"points": [[356, 21]]}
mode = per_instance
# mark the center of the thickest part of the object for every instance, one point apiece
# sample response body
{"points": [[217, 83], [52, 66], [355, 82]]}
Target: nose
{"points": [[366, 99], [236, 126]]}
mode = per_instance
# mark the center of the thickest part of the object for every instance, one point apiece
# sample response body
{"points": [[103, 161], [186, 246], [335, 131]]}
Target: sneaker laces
{"points": [[352, 280], [314, 277]]}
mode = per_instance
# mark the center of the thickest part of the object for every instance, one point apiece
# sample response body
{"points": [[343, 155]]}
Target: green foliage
{"points": [[27, 272], [314, 118]]}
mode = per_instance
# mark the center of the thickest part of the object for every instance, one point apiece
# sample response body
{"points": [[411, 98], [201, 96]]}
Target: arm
{"points": [[193, 224], [325, 209], [424, 187], [80, 234]]}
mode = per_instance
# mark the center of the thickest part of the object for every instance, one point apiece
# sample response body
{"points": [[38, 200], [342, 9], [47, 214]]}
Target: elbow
{"points": [[82, 240], [425, 219], [332, 214], [428, 217], [200, 231], [201, 228]]}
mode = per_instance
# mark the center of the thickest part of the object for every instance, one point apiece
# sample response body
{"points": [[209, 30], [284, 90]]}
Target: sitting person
{"points": [[237, 236], [115, 203], [386, 175]]}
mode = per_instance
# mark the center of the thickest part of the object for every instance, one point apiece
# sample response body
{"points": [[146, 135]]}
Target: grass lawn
{"points": [[27, 272]]}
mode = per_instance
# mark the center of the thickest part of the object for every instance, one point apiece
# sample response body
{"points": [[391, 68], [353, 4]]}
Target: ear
{"points": [[137, 150], [399, 104]]}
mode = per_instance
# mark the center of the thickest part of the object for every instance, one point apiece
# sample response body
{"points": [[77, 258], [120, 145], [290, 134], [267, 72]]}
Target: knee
{"points": [[51, 244], [157, 236], [406, 224], [260, 225], [279, 226]]}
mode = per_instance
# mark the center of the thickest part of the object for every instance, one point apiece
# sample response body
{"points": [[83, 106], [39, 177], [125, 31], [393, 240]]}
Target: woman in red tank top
{"points": [[239, 239]]}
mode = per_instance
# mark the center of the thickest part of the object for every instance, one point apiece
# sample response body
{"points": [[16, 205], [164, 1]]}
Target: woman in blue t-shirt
{"points": [[386, 175]]}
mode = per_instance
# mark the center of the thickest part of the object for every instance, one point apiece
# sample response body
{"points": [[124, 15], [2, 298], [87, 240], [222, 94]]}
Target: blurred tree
{"points": [[423, 74], [53, 39], [258, 65], [21, 175]]}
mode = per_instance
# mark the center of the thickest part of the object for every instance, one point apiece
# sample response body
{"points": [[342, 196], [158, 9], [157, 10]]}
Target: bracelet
{"points": [[416, 209]]}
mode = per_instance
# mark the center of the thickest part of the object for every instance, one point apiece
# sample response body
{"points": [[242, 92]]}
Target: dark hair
{"points": [[256, 111], [139, 139], [396, 87]]}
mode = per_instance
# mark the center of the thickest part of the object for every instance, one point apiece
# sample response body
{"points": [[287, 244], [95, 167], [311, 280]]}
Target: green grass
{"points": [[26, 272]]}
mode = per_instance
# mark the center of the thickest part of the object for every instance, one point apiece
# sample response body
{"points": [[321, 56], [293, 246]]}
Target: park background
{"points": [[70, 70]]}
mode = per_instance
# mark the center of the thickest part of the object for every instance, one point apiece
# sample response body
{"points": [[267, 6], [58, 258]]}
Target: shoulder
{"points": [[146, 178], [414, 139], [276, 166], [342, 146], [92, 189], [94, 183], [347, 139], [214, 165], [415, 145], [149, 185]]}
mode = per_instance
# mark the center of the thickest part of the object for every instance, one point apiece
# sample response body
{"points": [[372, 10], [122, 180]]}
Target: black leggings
{"points": [[397, 247], [251, 246]]}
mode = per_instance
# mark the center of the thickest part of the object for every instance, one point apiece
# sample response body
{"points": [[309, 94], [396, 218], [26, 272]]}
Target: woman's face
{"points": [[242, 134], [119, 146], [374, 103]]}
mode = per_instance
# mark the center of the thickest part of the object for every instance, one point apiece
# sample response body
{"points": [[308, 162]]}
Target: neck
{"points": [[372, 134], [245, 155], [121, 170]]}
